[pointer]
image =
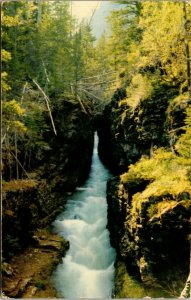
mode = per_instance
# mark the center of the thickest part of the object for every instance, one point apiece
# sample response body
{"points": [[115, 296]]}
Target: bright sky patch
{"points": [[84, 9]]}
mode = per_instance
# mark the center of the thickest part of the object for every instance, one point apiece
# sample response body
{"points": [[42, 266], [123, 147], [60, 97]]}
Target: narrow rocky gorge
{"points": [[74, 226], [146, 223]]}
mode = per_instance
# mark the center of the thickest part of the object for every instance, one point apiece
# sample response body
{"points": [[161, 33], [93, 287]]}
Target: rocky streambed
{"points": [[28, 274]]}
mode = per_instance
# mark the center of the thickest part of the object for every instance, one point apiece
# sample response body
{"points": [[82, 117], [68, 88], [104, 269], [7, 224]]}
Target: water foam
{"points": [[87, 270]]}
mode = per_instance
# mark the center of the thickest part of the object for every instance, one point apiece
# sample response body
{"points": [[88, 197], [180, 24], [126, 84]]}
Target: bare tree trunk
{"points": [[45, 71], [29, 160], [24, 163], [186, 292], [20, 165], [23, 91], [8, 157], [16, 156], [47, 104], [83, 108]]}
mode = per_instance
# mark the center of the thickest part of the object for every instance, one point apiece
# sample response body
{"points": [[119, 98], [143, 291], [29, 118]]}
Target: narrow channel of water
{"points": [[87, 270]]}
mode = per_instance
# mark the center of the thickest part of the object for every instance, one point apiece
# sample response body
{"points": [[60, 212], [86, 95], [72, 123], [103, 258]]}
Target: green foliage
{"points": [[41, 41], [166, 173], [54, 44], [5, 55], [12, 111], [36, 123], [46, 43], [183, 145], [148, 39], [157, 209], [157, 22], [139, 89], [124, 31], [102, 54], [19, 28], [8, 20], [168, 185], [180, 99], [5, 86], [13, 108], [88, 50], [127, 286]]}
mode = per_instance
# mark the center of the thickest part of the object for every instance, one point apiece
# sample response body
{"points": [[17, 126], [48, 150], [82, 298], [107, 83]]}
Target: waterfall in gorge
{"points": [[87, 270]]}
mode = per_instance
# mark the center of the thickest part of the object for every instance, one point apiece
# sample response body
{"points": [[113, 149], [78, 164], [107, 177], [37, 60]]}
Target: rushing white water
{"points": [[87, 270]]}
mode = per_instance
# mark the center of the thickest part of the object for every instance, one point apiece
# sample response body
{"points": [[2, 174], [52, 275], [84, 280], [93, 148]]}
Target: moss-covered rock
{"points": [[176, 113], [129, 131], [129, 285], [26, 208], [149, 216]]}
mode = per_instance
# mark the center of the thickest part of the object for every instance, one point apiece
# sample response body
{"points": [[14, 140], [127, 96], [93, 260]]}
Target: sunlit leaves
{"points": [[166, 172], [5, 86], [183, 145], [139, 89], [162, 44], [12, 112], [12, 107], [9, 21], [5, 55]]}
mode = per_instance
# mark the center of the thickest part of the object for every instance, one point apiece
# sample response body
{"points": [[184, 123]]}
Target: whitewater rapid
{"points": [[87, 270]]}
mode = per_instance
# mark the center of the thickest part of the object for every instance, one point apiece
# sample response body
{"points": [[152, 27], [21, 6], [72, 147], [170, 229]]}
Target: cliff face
{"points": [[33, 203], [149, 205], [68, 161], [126, 134], [27, 205], [149, 209], [148, 240]]}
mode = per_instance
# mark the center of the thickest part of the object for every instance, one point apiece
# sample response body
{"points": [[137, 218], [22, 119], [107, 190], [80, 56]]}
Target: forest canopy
{"points": [[44, 48]]}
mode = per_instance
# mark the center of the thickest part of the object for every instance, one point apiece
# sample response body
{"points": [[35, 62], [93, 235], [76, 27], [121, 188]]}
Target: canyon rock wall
{"points": [[148, 218], [33, 203]]}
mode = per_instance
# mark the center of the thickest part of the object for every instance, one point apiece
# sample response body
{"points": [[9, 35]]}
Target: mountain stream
{"points": [[87, 270]]}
